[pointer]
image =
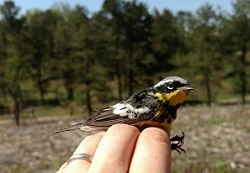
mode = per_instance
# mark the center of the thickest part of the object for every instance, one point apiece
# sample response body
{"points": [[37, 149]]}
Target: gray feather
{"points": [[74, 127]]}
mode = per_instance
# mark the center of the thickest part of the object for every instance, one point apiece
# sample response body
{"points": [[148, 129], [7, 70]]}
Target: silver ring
{"points": [[83, 156]]}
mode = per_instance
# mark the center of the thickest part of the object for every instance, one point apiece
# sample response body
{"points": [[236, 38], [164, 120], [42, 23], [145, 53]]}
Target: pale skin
{"points": [[121, 149]]}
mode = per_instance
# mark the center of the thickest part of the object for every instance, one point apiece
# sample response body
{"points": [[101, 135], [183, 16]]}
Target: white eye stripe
{"points": [[162, 83], [171, 79]]}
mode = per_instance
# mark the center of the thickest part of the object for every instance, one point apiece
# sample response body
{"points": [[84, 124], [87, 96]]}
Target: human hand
{"points": [[121, 149]]}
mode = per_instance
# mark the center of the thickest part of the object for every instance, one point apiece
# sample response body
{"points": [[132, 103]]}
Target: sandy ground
{"points": [[217, 140]]}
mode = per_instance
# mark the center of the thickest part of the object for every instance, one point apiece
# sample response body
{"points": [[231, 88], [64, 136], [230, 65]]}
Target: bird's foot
{"points": [[177, 142]]}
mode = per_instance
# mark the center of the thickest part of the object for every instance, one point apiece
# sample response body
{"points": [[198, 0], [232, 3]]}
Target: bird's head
{"points": [[172, 89]]}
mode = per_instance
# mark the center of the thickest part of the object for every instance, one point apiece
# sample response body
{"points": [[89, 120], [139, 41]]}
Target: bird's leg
{"points": [[177, 142]]}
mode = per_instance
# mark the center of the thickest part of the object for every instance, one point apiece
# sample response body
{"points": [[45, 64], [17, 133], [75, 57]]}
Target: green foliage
{"points": [[236, 25], [12, 71], [120, 49], [130, 36], [166, 40]]}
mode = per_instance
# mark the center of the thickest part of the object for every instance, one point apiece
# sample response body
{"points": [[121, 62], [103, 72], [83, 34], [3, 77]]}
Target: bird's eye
{"points": [[170, 86]]}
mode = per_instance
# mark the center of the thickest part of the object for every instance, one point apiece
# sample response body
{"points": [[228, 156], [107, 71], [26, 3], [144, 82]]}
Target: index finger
{"points": [[152, 152]]}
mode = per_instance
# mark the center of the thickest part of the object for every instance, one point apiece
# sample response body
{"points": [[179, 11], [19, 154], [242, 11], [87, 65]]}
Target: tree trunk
{"points": [[208, 87], [16, 110], [130, 74], [87, 83], [70, 92], [243, 75], [130, 82], [119, 87], [88, 101], [41, 91]]}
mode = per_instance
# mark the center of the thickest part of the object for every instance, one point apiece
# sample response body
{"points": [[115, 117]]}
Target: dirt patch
{"points": [[217, 140]]}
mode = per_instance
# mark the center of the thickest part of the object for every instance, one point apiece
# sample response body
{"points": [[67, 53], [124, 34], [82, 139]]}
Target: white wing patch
{"points": [[87, 128], [128, 110]]}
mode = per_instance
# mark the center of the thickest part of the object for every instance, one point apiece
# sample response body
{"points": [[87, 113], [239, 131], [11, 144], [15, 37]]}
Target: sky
{"points": [[95, 5]]}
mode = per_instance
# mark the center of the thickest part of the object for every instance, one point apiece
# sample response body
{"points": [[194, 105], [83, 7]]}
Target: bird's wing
{"points": [[73, 127], [120, 114], [130, 112], [140, 107]]}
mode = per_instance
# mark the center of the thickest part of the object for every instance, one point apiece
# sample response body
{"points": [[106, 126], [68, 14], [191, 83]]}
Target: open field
{"points": [[217, 140]]}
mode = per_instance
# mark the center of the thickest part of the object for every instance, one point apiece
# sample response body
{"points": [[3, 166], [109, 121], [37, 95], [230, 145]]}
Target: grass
{"points": [[44, 111], [55, 111], [55, 164], [210, 146], [216, 120], [18, 168]]}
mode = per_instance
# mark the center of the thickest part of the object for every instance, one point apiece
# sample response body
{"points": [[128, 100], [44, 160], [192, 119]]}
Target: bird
{"points": [[155, 106]]}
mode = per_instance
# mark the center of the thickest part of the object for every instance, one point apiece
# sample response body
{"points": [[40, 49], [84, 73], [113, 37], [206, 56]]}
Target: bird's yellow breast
{"points": [[163, 119], [174, 98], [163, 125]]}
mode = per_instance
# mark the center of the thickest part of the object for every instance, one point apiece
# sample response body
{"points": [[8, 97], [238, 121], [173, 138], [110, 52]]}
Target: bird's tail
{"points": [[74, 127]]}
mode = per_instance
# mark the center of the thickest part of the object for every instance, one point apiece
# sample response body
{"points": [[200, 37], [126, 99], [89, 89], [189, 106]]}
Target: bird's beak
{"points": [[186, 88]]}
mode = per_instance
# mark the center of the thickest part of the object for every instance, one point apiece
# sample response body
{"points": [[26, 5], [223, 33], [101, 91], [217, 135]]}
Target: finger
{"points": [[87, 146], [115, 149], [152, 152], [62, 168]]}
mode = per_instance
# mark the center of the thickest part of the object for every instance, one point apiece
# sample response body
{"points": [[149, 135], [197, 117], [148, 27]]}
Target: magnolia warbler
{"points": [[155, 106]]}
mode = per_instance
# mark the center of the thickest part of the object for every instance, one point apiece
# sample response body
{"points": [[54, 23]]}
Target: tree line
{"points": [[121, 48]]}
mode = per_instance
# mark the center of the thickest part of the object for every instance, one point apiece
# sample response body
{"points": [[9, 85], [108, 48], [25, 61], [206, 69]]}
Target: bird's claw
{"points": [[177, 142]]}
